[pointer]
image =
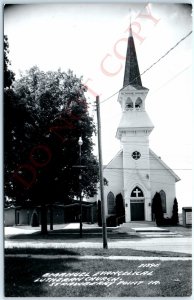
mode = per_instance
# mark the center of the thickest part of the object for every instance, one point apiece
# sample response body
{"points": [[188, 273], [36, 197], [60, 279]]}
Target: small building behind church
{"points": [[136, 172]]}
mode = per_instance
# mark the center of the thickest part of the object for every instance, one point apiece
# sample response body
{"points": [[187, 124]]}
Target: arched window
{"points": [[137, 192], [129, 104], [111, 203], [138, 103], [163, 200]]}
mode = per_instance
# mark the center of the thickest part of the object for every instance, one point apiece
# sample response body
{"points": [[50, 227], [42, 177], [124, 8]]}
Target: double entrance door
{"points": [[137, 209]]}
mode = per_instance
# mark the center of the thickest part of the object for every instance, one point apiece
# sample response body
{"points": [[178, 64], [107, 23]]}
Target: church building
{"points": [[136, 172]]}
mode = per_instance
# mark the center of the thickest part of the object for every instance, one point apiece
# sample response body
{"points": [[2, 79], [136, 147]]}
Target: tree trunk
{"points": [[43, 219], [51, 217]]}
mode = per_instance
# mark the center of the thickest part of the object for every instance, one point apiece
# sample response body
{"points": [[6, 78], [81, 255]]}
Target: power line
{"points": [[160, 87], [130, 25], [146, 169], [171, 79], [153, 181], [172, 48]]}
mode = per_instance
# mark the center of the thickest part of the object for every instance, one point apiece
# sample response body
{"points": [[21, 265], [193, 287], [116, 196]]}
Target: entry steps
{"points": [[155, 232], [150, 229]]}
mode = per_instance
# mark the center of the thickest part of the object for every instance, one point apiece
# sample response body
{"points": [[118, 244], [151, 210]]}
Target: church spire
{"points": [[132, 74]]}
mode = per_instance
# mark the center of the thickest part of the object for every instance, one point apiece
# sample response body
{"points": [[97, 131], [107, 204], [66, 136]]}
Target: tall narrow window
{"points": [[111, 203], [163, 200]]}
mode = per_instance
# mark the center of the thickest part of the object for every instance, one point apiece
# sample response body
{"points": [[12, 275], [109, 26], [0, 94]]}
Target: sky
{"points": [[91, 40]]}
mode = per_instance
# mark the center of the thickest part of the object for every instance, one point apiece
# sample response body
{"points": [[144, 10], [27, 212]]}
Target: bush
{"points": [[120, 220], [175, 218], [157, 209], [166, 221], [111, 221], [120, 209]]}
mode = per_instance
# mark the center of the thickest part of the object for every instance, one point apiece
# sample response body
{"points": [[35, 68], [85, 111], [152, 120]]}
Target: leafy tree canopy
{"points": [[8, 74], [9, 99], [48, 115]]}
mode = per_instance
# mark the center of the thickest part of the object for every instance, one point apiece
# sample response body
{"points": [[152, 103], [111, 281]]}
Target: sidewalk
{"points": [[124, 236], [128, 228]]}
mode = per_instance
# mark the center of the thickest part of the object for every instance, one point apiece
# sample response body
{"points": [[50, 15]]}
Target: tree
{"points": [[8, 74], [9, 111], [175, 218], [50, 116], [157, 209]]}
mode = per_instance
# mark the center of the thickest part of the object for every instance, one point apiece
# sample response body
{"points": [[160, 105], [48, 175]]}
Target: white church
{"points": [[136, 171]]}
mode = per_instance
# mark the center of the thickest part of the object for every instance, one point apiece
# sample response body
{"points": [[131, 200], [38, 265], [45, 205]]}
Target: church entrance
{"points": [[137, 205]]}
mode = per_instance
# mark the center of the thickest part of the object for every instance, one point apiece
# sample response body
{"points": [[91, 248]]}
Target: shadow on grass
{"points": [[20, 274], [71, 234], [45, 251], [91, 252]]}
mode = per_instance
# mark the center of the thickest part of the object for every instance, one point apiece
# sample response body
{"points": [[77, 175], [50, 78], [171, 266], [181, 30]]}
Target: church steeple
{"points": [[134, 119], [132, 74]]}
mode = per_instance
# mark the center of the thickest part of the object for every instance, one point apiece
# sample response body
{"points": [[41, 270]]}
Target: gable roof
{"points": [[177, 178], [116, 155]]}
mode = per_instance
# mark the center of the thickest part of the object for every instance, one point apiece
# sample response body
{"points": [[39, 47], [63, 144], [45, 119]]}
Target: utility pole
{"points": [[104, 231], [80, 143]]}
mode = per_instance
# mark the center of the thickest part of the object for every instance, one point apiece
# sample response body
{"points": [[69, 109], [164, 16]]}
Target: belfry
{"points": [[136, 173]]}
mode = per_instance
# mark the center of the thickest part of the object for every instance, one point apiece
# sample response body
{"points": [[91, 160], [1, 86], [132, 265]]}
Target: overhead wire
{"points": [[146, 169], [163, 56], [163, 85], [152, 65]]}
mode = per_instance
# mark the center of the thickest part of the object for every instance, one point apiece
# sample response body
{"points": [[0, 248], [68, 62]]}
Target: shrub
{"points": [[175, 218], [120, 209], [166, 222], [111, 221], [157, 209]]}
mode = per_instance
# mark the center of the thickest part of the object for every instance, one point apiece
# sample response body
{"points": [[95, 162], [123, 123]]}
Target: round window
{"points": [[136, 155]]}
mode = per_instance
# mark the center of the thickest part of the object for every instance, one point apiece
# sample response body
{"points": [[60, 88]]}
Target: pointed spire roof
{"points": [[132, 74]]}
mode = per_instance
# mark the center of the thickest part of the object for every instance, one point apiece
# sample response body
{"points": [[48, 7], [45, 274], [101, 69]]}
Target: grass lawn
{"points": [[93, 251], [23, 275]]}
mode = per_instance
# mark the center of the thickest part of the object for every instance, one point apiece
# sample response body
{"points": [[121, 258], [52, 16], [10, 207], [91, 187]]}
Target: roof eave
{"points": [[119, 152], [177, 178]]}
